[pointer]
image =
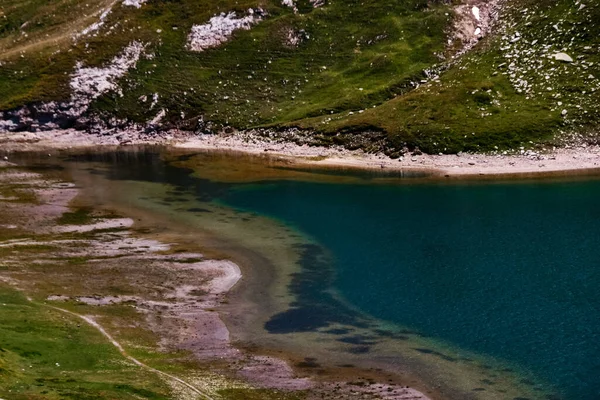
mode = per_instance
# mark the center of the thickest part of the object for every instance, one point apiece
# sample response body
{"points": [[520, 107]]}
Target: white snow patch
{"points": [[220, 28], [113, 223], [290, 4], [475, 11], [89, 83], [133, 3], [96, 25], [161, 114], [317, 3], [154, 100]]}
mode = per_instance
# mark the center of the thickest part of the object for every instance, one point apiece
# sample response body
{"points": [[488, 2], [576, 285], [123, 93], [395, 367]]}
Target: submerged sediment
{"points": [[140, 283]]}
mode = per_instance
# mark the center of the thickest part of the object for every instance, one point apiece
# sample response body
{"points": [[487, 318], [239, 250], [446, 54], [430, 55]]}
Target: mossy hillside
{"points": [[29, 75], [354, 56], [351, 55], [352, 71], [41, 25], [47, 354], [36, 47], [507, 93]]}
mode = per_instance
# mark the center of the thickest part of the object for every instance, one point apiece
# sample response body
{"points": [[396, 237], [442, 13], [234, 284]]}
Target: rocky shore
{"points": [[581, 158]]}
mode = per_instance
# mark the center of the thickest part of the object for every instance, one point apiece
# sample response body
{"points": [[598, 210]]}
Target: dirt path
{"points": [[137, 362], [64, 34]]}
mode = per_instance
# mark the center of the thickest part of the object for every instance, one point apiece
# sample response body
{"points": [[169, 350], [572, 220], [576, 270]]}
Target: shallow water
{"points": [[479, 290], [507, 270]]}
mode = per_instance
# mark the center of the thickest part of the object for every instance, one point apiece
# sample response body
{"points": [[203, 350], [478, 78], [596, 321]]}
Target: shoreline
{"points": [[280, 366], [186, 312], [213, 338], [572, 161]]}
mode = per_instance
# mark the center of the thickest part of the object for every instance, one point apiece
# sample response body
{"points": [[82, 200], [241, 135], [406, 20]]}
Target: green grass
{"points": [[36, 47], [45, 354], [17, 194], [256, 78], [350, 80], [476, 106], [33, 25]]}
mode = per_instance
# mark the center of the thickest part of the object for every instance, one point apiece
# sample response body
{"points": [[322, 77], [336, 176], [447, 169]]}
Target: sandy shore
{"points": [[179, 296], [574, 160]]}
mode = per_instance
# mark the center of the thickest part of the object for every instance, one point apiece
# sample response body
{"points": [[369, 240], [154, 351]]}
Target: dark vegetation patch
{"points": [[338, 331], [260, 394], [190, 260], [315, 307], [80, 216], [436, 353], [308, 362], [16, 194], [357, 339], [358, 350], [198, 210]]}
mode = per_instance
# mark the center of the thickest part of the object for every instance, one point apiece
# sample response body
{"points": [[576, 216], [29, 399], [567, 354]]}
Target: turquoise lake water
{"points": [[511, 271]]}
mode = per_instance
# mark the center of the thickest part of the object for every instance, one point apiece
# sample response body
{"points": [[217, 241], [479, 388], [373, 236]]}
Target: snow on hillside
{"points": [[133, 3], [89, 83], [290, 4], [220, 28], [96, 25]]}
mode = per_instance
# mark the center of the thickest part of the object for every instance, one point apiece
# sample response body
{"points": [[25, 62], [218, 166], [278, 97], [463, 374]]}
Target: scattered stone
{"points": [[562, 57]]}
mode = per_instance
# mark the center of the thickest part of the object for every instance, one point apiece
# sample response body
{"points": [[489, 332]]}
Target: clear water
{"points": [[507, 270]]}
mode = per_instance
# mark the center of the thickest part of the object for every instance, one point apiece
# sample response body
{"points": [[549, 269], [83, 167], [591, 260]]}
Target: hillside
{"points": [[379, 75]]}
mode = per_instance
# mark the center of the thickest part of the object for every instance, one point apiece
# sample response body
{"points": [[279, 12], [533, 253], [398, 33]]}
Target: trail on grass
{"points": [[96, 325]]}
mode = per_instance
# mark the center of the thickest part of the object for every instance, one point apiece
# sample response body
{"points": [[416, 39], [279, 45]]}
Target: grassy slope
{"points": [[34, 25], [47, 355], [33, 339], [478, 104], [359, 56], [35, 36], [256, 78]]}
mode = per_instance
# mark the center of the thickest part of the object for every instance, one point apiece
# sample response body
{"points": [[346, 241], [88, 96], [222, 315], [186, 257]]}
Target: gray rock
{"points": [[563, 57]]}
